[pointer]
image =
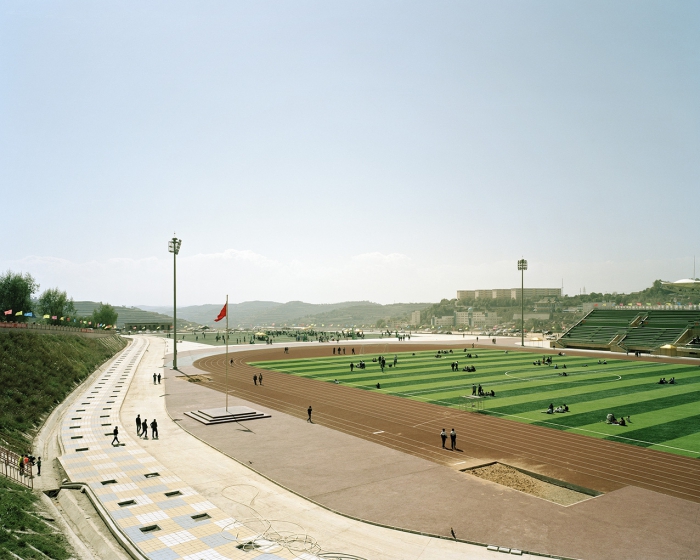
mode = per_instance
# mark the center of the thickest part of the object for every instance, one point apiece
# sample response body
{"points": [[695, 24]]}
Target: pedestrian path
{"points": [[163, 517]]}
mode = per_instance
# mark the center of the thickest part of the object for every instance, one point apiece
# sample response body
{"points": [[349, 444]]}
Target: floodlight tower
{"points": [[174, 248], [522, 267]]}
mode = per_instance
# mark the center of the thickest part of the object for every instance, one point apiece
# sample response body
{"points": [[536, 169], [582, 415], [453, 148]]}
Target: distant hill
{"points": [[128, 314], [265, 313]]}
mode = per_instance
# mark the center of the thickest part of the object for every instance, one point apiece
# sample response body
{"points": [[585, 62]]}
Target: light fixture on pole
{"points": [[522, 267], [174, 248]]}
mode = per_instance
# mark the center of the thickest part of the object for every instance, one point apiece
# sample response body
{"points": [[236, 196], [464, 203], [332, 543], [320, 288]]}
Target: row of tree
{"points": [[16, 294]]}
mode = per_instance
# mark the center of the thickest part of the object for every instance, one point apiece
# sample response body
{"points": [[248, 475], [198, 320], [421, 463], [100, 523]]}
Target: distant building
{"points": [[476, 319], [415, 319], [445, 321], [512, 293]]}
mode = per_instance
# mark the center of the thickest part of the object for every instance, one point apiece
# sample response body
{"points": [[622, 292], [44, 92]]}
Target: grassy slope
{"points": [[37, 371], [22, 530], [663, 416]]}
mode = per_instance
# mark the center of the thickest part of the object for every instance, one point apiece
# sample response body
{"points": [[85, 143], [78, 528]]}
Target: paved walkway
{"points": [[176, 497], [162, 516]]}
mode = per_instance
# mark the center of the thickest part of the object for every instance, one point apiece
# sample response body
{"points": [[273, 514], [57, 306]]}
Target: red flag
{"points": [[8, 312], [222, 313]]}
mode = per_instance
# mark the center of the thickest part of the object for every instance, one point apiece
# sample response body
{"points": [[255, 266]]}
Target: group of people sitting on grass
{"points": [[610, 419], [360, 365], [552, 410], [671, 381], [455, 367], [469, 355], [604, 362], [545, 361], [479, 391]]}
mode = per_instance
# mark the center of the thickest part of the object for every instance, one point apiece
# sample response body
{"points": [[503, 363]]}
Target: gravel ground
{"points": [[513, 478]]}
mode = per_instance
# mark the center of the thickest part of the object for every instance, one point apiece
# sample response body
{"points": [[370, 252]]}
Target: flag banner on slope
{"points": [[8, 312], [222, 314], [54, 317], [18, 313], [47, 317], [62, 318], [29, 314]]}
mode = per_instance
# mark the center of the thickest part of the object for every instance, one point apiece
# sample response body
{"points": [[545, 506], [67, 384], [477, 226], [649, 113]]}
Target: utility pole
{"points": [[522, 267], [174, 248]]}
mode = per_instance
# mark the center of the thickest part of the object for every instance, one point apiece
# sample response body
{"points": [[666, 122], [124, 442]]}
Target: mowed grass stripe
{"points": [[580, 394], [632, 407]]}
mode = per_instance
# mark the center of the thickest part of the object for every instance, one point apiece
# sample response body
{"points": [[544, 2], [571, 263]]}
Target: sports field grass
{"points": [[664, 417]]}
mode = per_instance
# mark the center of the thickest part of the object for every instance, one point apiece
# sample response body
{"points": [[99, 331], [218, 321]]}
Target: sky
{"points": [[332, 151]]}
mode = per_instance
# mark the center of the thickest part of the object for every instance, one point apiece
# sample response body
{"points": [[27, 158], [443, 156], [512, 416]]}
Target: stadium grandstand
{"points": [[670, 332]]}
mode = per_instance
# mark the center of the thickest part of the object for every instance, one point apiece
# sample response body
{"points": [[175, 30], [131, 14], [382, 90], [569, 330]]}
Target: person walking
{"points": [[309, 410], [159, 379], [144, 429], [453, 439], [116, 435], [38, 466], [255, 379], [138, 424], [154, 378], [443, 436], [154, 429], [260, 379]]}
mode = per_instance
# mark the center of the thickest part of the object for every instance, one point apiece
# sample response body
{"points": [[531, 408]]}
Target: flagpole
{"points": [[226, 339]]}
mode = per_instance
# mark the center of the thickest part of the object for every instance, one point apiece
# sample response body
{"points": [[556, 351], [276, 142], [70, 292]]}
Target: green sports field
{"points": [[664, 417]]}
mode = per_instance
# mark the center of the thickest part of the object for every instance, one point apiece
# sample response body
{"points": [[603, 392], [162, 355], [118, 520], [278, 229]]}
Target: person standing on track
{"points": [[154, 378], [159, 379], [154, 429], [260, 379], [144, 428], [443, 436], [309, 411], [116, 435], [138, 424], [255, 379], [453, 439]]}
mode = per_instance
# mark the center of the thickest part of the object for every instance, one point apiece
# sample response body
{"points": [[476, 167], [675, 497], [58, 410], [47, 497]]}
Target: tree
{"points": [[16, 290], [380, 323], [54, 302], [104, 314]]}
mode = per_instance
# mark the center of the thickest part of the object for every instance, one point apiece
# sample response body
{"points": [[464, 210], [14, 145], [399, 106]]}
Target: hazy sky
{"points": [[327, 151]]}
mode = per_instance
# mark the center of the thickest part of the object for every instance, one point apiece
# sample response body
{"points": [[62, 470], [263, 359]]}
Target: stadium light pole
{"points": [[522, 267], [174, 248]]}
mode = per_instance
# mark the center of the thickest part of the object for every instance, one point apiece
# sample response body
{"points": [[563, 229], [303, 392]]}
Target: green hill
{"points": [[130, 314], [267, 313]]}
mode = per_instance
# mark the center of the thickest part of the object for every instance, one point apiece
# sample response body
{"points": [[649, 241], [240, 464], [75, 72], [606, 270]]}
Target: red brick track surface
{"points": [[413, 427]]}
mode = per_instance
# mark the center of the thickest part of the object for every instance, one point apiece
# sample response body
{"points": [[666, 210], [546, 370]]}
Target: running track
{"points": [[413, 427]]}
